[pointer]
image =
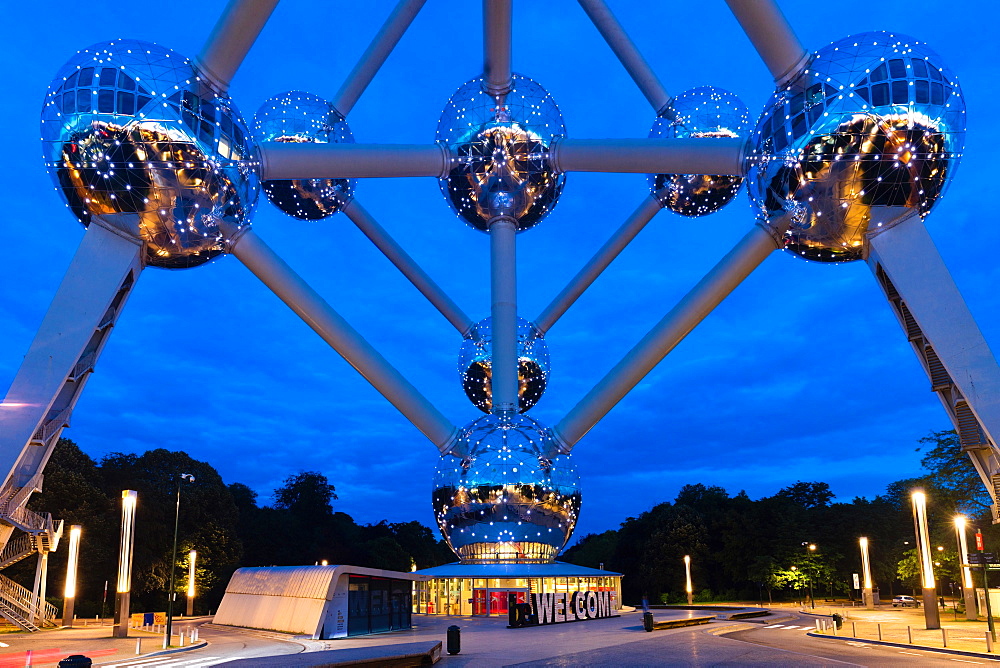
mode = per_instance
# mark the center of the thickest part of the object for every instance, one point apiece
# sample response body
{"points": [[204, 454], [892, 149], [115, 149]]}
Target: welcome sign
{"points": [[555, 608]]}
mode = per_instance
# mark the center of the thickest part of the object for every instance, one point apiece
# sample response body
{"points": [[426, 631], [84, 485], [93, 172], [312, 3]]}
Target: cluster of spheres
{"points": [[867, 135], [137, 141], [475, 365], [501, 145], [506, 501], [301, 117], [703, 112]]}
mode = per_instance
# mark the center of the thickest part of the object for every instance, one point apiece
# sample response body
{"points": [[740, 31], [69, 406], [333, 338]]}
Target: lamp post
{"points": [[968, 588], [810, 550], [124, 586], [866, 568], [932, 617], [69, 590], [173, 556], [192, 556], [688, 588]]}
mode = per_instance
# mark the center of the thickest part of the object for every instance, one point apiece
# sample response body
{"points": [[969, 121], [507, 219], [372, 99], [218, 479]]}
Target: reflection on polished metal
{"points": [[867, 135], [505, 501], [136, 140], [475, 365], [500, 153], [299, 118], [703, 112]]}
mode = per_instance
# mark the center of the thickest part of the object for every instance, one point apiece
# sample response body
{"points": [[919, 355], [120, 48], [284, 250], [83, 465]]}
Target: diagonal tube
{"points": [[287, 160], [320, 316], [503, 312], [497, 18], [410, 269], [633, 62], [770, 34], [233, 35], [723, 278], [647, 156], [607, 253], [375, 55]]}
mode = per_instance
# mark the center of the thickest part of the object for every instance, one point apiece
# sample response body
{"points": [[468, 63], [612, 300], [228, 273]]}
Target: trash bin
{"points": [[76, 661], [838, 621], [647, 621], [454, 639]]}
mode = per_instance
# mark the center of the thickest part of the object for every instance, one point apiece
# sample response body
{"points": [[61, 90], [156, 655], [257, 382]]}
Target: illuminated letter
{"points": [[580, 604], [591, 605]]}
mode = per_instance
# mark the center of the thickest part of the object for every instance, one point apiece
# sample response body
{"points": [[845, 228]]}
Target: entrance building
{"points": [[484, 589]]}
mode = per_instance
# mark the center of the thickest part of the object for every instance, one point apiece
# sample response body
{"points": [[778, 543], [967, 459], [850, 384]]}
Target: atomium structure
{"points": [[849, 156]]}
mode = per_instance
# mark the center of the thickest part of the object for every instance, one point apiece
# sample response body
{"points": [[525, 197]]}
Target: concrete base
{"points": [[932, 616]]}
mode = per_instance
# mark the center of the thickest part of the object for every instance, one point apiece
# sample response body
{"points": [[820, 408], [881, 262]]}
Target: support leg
{"points": [[961, 367], [771, 35], [496, 46], [234, 33], [503, 289]]}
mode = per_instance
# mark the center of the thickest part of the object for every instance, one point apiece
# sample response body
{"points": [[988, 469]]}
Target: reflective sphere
{"points": [[136, 140], [867, 135], [700, 112], [475, 365], [501, 153], [505, 502], [303, 117]]}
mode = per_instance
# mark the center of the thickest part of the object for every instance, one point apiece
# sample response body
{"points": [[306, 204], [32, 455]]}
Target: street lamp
{"points": [[866, 568], [173, 556], [810, 549], [688, 588], [968, 588], [192, 556], [124, 585], [932, 618], [69, 592]]}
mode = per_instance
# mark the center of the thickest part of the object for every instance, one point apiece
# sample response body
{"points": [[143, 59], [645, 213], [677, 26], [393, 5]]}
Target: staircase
{"points": [[16, 606]]}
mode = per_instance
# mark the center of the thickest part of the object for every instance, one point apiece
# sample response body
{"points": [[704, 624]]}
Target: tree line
{"points": [[745, 549], [226, 524]]}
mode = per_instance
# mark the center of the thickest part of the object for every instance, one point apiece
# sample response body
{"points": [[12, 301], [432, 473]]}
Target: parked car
{"points": [[905, 601]]}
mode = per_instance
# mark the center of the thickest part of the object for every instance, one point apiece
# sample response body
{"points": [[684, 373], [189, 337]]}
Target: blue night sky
{"points": [[802, 374]]}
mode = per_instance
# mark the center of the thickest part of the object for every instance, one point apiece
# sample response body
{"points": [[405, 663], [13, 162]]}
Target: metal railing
{"points": [[20, 599]]}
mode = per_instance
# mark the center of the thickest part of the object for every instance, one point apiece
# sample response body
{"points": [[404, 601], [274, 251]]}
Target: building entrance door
{"points": [[494, 601]]}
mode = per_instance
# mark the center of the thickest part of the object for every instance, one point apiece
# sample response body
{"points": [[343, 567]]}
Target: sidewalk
{"points": [[48, 647], [905, 627]]}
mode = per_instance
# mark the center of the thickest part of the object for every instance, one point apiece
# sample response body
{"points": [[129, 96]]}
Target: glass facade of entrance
{"points": [[488, 596], [376, 605]]}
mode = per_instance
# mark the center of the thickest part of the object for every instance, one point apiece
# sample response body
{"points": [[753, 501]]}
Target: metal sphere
{"points": [[867, 135], [300, 117], [505, 501], [706, 112], [475, 365], [136, 140], [501, 153]]}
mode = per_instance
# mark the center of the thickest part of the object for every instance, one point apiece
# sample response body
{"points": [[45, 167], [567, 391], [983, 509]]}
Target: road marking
{"points": [[857, 644], [964, 661], [911, 653], [165, 661], [3, 644], [773, 626]]}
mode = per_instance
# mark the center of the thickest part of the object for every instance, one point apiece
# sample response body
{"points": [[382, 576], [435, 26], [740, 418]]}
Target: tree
{"points": [[308, 495], [807, 494], [954, 480]]}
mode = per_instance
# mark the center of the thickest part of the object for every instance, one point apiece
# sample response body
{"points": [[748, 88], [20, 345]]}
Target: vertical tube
{"points": [[233, 35], [866, 567], [124, 588], [496, 46], [69, 590], [633, 62], [931, 615], [968, 588], [38, 591], [607, 253], [192, 556], [688, 587], [503, 288], [375, 55], [771, 35]]}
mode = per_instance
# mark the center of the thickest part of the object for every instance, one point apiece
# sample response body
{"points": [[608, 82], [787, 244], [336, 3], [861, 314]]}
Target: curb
{"points": [[176, 650], [939, 650]]}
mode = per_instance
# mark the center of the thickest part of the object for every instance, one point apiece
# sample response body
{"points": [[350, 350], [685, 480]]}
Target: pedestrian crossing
{"points": [[789, 627], [168, 661]]}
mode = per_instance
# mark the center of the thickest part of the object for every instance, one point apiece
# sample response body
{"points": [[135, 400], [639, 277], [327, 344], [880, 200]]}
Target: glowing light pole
{"points": [[69, 592], [810, 550], [171, 594], [688, 588], [968, 588], [129, 498], [932, 617], [192, 556], [866, 568]]}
